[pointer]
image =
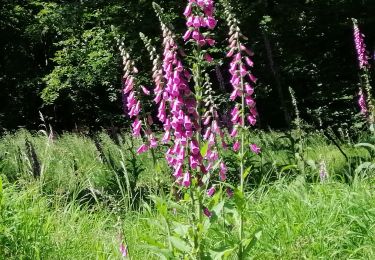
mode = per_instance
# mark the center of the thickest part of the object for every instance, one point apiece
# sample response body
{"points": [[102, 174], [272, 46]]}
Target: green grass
{"points": [[297, 220], [310, 221], [89, 192]]}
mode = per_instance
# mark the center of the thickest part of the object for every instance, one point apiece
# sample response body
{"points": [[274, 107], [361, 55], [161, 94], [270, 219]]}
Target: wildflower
{"points": [[132, 103], [142, 149], [145, 90], [211, 191], [123, 250], [199, 16], [186, 181], [153, 142], [223, 171], [208, 57], [236, 146], [136, 125], [241, 80], [207, 212], [360, 46], [255, 148], [229, 193]]}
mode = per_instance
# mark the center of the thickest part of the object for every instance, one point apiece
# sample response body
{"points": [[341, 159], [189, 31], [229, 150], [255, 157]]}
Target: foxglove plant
{"points": [[360, 46], [132, 105], [363, 62], [189, 114], [201, 21], [244, 113], [176, 98]]}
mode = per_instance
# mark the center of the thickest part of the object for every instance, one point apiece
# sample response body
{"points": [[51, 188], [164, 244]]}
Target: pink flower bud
{"points": [[128, 88], [197, 22], [186, 181], [207, 133], [230, 53], [178, 171], [209, 11], [234, 132], [136, 125], [145, 91], [208, 57], [187, 35], [249, 62], [194, 147], [249, 101], [223, 168], [193, 162], [210, 42], [252, 120], [252, 78], [236, 146], [211, 191], [166, 137], [211, 22], [189, 21], [153, 142], [207, 120], [123, 250], [201, 3], [229, 193], [249, 90], [188, 10], [243, 71], [255, 148], [207, 212], [142, 149]]}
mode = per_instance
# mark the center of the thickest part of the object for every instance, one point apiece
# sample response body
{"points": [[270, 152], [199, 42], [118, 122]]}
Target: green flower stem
{"points": [[242, 162]]}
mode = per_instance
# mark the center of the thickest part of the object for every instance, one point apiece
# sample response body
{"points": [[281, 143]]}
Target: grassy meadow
{"points": [[79, 197]]}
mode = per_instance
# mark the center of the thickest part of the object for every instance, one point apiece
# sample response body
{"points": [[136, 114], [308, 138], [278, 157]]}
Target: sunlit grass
{"points": [[89, 192]]}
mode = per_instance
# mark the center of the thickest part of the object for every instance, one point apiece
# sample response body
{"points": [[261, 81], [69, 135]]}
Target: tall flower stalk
{"points": [[132, 93], [365, 95], [200, 22], [187, 109], [182, 123], [244, 112]]}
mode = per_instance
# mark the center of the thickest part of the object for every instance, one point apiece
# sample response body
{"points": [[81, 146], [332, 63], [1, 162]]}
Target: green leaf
{"points": [[153, 243], [364, 166], [247, 172], [288, 167], [222, 253], [204, 149], [250, 243], [180, 245], [181, 230], [239, 200], [163, 254], [161, 205], [369, 147]]}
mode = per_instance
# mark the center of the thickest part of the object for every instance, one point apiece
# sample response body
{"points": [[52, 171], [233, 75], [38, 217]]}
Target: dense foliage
{"points": [[61, 58]]}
